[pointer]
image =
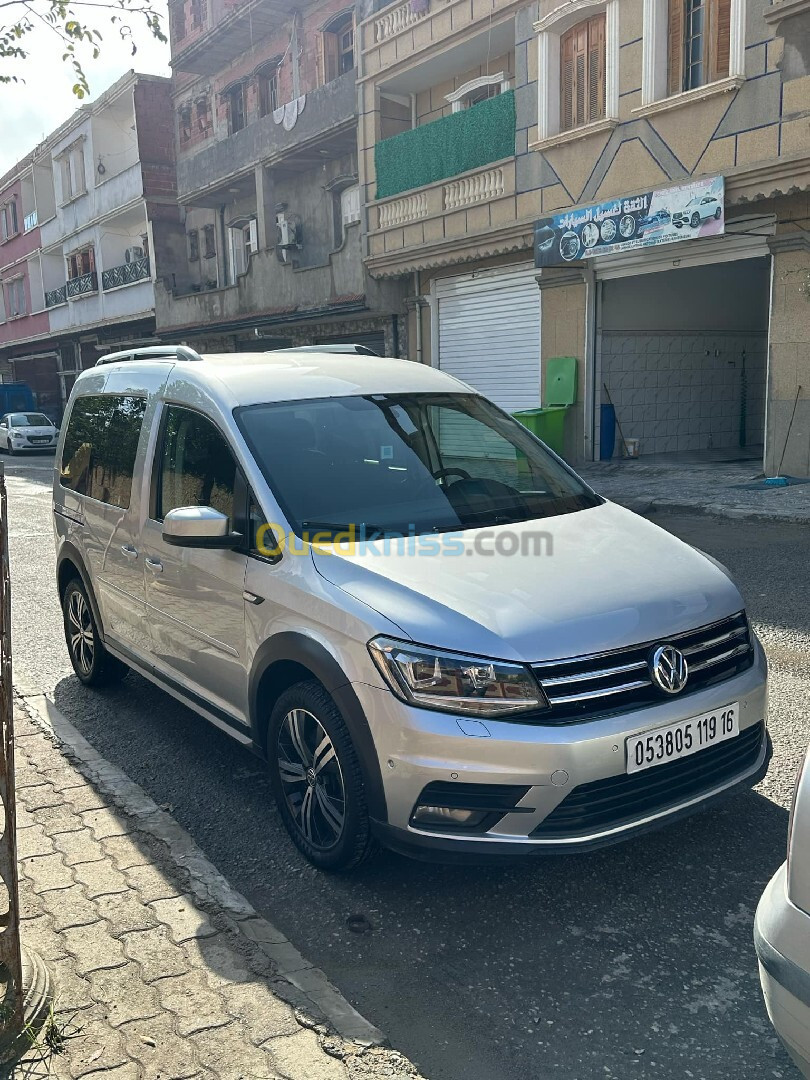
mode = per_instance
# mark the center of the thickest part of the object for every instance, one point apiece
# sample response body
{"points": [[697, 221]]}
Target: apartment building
{"points": [[620, 181], [265, 108], [88, 220]]}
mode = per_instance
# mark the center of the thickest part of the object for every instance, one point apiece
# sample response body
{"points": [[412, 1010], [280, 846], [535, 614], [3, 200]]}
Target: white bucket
{"points": [[632, 448]]}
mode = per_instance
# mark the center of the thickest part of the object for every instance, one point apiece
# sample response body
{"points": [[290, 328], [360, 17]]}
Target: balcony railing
{"points": [[30, 221], [127, 274], [455, 144], [82, 286], [485, 185], [55, 297], [394, 21]]}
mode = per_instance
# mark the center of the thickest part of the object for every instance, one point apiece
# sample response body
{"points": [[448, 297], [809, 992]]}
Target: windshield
{"points": [[29, 419], [406, 464]]}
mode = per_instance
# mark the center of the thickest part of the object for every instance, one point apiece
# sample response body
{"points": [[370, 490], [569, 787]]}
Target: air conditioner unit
{"points": [[287, 234], [133, 254]]}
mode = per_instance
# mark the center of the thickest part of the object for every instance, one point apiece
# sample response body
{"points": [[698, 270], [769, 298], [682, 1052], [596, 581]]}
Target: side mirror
{"points": [[199, 527]]}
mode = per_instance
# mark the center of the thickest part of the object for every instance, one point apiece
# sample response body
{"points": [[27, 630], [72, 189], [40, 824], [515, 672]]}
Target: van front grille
{"points": [[587, 687]]}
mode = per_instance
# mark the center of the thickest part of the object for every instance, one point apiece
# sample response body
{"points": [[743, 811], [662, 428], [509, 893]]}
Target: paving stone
{"points": [[221, 962], [70, 991], [130, 1071], [28, 777], [125, 852], [100, 879], [48, 872], [78, 847], [193, 1002], [24, 819], [34, 841], [161, 1052], [30, 904], [156, 953], [69, 908], [125, 912], [265, 1016], [184, 919], [98, 1049], [84, 797], [56, 819], [63, 777], [39, 935], [105, 822], [228, 1052], [301, 1055], [151, 884], [94, 948], [37, 798], [124, 994]]}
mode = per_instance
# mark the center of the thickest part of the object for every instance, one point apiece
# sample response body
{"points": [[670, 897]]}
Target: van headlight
{"points": [[454, 682]]}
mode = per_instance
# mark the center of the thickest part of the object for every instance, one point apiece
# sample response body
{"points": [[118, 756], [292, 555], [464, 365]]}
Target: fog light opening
{"points": [[447, 815]]}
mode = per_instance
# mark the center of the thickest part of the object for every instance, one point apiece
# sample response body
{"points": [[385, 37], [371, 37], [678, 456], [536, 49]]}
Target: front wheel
{"points": [[695, 220], [317, 780], [92, 663]]}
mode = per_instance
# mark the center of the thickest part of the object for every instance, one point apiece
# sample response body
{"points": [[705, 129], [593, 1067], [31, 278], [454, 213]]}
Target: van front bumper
{"points": [[542, 766]]}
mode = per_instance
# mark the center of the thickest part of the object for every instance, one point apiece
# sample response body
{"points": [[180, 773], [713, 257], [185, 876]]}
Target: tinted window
{"points": [[197, 467], [406, 463], [29, 420], [101, 441]]}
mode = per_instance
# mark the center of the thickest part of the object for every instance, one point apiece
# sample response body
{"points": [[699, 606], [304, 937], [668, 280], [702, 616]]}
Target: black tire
{"points": [[320, 796], [695, 220], [10, 450], [93, 665]]}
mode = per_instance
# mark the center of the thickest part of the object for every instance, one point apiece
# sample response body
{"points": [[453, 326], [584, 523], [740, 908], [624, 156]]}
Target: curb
{"points": [[673, 506], [205, 881]]}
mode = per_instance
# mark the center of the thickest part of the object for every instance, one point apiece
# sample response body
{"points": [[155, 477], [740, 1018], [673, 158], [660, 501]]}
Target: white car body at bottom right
{"points": [[701, 208], [782, 933]]}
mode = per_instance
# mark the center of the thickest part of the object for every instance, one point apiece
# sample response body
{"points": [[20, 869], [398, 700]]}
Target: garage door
{"points": [[489, 334]]}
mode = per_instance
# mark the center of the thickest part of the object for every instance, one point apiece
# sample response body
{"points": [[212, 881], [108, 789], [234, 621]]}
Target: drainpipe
{"points": [[418, 311], [224, 245], [413, 110]]}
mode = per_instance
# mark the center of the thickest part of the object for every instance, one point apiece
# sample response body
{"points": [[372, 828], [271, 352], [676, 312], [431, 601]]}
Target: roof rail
{"points": [[154, 352], [360, 350]]}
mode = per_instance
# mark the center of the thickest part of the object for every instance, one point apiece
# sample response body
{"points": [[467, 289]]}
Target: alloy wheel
{"points": [[311, 779], [81, 637]]}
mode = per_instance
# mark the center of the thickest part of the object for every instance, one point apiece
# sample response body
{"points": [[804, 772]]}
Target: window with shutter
{"points": [[699, 47], [582, 74], [336, 46]]}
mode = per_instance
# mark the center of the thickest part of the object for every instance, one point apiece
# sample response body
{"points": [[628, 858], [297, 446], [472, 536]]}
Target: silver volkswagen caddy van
{"points": [[437, 636]]}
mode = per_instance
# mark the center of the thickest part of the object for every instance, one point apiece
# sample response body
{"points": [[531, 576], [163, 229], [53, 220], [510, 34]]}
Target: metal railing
{"points": [[126, 274], [82, 286], [54, 297]]}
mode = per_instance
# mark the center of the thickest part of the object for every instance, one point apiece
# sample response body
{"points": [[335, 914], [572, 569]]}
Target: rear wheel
{"points": [[93, 665], [316, 779]]}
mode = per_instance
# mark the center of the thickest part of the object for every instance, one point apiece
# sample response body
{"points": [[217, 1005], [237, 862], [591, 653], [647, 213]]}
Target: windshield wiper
{"points": [[341, 526]]}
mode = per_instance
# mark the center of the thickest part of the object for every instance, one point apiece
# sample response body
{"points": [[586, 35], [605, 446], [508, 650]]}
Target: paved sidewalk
{"points": [[160, 969], [727, 489]]}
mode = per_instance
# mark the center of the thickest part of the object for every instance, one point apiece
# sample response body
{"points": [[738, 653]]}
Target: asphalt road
{"points": [[633, 962]]}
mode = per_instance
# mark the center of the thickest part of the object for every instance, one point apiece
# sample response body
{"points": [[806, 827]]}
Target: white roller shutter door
{"points": [[489, 334]]}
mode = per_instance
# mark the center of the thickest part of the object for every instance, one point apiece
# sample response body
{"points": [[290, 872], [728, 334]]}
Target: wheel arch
{"points": [[70, 565], [292, 657]]}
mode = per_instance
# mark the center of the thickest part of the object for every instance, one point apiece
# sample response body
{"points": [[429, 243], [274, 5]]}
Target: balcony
{"points": [[126, 274], [404, 231], [448, 147], [85, 285], [55, 297], [231, 34], [328, 109], [30, 221]]}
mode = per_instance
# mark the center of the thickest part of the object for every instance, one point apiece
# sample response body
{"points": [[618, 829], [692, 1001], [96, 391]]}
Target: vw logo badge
{"points": [[669, 669]]}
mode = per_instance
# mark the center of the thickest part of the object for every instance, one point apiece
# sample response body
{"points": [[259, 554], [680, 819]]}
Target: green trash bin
{"points": [[560, 391], [547, 424]]}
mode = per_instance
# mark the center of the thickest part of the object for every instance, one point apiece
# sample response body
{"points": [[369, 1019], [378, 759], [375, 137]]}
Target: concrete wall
{"points": [[562, 333]]}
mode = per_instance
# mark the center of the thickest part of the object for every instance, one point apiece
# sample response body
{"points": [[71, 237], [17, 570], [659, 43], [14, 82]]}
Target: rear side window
{"points": [[197, 467], [98, 458]]}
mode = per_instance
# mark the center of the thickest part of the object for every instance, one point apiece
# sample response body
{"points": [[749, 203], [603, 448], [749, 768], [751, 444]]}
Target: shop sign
{"points": [[664, 216]]}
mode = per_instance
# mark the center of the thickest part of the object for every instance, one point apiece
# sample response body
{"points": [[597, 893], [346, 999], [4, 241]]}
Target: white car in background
{"points": [[782, 933], [26, 431]]}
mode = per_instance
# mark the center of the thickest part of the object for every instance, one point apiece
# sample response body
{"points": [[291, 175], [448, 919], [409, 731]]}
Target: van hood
{"points": [[599, 579]]}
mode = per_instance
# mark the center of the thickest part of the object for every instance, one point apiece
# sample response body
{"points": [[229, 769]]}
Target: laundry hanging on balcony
{"points": [[287, 115]]}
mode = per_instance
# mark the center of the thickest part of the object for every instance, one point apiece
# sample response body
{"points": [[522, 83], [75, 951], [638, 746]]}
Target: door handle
{"points": [[155, 565], [129, 551]]}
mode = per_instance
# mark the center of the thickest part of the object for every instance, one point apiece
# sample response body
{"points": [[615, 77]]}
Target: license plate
{"points": [[40, 439], [682, 739]]}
